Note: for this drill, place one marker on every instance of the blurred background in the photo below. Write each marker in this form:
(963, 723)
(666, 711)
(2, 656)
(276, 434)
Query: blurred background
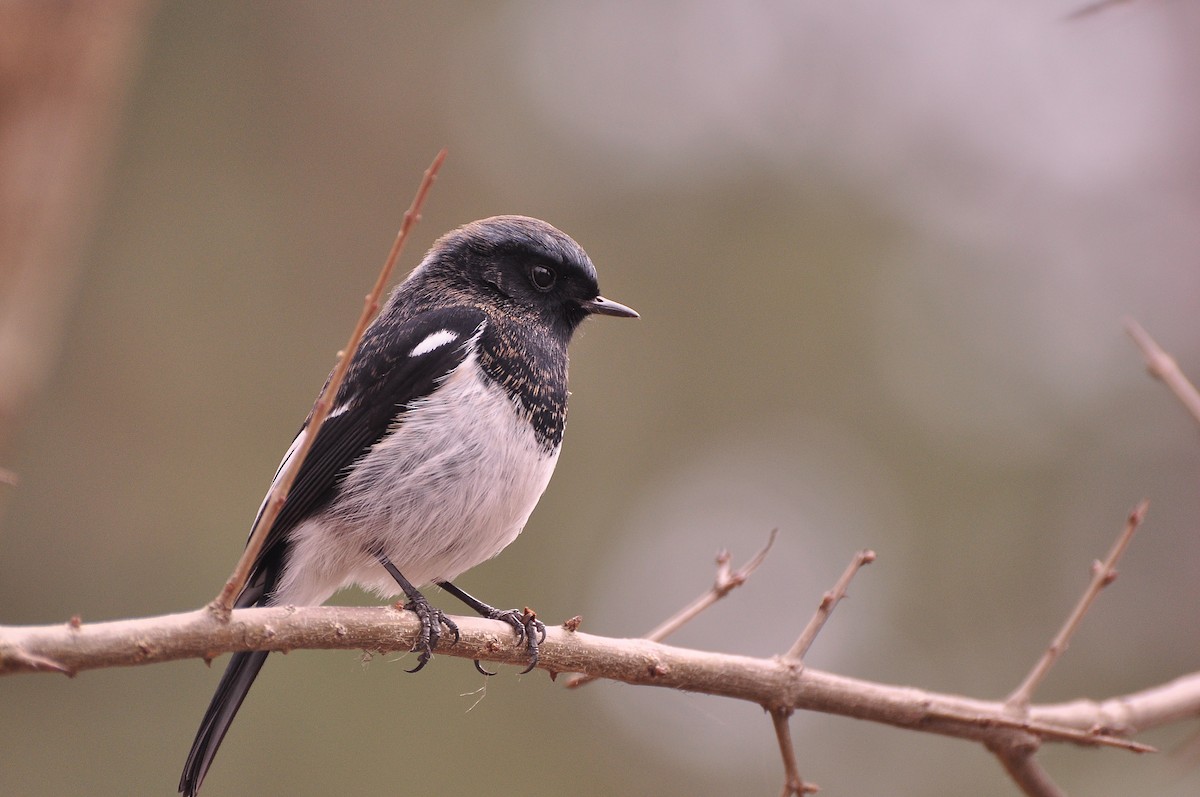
(882, 251)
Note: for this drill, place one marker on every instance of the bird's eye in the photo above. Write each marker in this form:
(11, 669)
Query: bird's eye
(543, 278)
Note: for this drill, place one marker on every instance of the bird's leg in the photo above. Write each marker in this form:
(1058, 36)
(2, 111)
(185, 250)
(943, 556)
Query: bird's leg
(432, 619)
(528, 628)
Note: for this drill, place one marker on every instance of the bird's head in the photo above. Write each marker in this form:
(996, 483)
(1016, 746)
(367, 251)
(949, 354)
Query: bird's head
(522, 266)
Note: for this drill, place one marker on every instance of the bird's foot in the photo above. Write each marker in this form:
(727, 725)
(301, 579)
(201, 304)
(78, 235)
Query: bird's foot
(432, 619)
(528, 627)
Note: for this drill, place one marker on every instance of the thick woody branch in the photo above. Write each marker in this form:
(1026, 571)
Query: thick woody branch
(74, 647)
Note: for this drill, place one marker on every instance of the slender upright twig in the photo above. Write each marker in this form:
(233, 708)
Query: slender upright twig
(828, 602)
(1103, 574)
(278, 493)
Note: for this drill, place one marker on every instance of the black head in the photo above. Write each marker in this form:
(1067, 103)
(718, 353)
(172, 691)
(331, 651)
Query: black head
(521, 266)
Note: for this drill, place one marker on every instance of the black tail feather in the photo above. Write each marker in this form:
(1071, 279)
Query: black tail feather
(231, 691)
(235, 683)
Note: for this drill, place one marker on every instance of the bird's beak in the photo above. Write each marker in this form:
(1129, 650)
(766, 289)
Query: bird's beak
(602, 306)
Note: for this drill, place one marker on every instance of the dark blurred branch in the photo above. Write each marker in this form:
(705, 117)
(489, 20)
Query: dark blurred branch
(1093, 8)
(64, 69)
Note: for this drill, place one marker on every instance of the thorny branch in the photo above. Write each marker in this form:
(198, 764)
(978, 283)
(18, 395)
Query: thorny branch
(76, 646)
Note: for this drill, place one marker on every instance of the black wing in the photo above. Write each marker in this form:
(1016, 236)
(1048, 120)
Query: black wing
(397, 364)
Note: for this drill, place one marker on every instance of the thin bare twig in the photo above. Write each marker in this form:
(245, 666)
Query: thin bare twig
(1029, 775)
(1163, 367)
(726, 581)
(278, 493)
(793, 784)
(828, 602)
(1103, 574)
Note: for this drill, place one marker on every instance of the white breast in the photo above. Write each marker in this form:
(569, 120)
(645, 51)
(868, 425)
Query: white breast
(449, 487)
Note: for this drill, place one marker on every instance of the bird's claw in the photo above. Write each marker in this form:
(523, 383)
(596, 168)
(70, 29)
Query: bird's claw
(432, 620)
(528, 628)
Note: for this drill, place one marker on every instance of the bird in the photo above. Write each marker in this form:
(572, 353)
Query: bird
(438, 446)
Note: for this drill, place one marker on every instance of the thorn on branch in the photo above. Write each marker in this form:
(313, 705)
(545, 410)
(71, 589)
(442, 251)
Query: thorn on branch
(33, 661)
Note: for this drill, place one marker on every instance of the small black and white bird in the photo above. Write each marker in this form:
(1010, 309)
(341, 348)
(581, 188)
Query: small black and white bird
(439, 444)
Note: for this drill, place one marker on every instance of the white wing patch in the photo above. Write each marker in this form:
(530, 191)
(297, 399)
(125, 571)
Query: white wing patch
(291, 452)
(435, 340)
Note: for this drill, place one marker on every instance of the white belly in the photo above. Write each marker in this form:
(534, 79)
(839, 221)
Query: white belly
(446, 489)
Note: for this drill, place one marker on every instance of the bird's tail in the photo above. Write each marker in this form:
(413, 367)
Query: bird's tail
(235, 683)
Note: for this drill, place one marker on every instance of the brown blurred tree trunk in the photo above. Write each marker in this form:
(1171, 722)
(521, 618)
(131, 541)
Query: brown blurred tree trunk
(64, 69)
